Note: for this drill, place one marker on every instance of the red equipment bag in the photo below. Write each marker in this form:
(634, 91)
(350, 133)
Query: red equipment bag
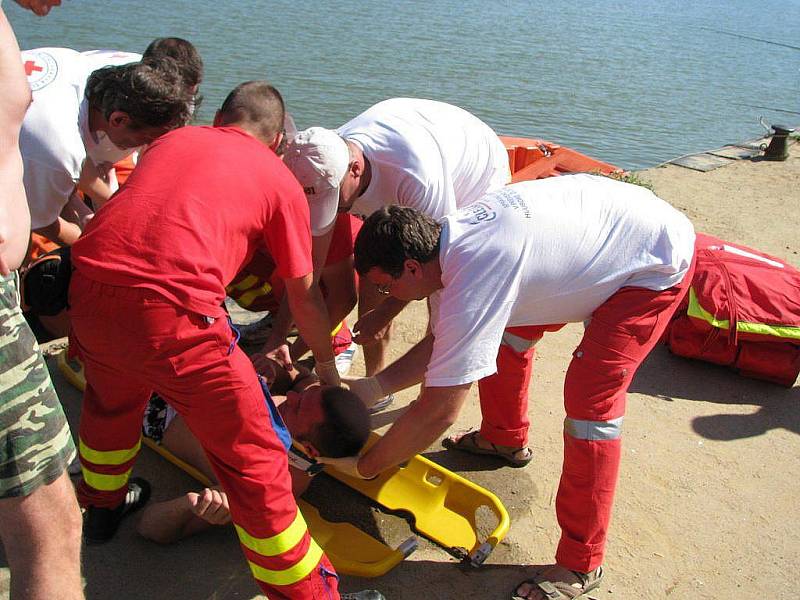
(742, 311)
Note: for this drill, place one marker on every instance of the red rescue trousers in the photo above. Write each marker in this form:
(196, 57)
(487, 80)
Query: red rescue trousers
(619, 336)
(133, 342)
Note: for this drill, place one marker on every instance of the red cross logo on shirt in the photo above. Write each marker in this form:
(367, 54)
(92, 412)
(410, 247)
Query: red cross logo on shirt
(40, 67)
(30, 67)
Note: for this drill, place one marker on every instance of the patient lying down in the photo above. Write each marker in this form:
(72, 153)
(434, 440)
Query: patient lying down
(323, 420)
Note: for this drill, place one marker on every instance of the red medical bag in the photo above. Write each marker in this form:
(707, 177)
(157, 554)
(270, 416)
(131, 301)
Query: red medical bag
(742, 311)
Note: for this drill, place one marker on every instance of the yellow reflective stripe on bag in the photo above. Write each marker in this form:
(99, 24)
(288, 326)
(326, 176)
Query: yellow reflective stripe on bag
(780, 331)
(109, 457)
(293, 574)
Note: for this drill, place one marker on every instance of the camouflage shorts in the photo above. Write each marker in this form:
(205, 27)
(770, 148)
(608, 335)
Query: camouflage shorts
(35, 441)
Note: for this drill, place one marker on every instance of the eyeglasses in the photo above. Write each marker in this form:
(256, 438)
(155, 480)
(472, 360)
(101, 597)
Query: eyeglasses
(385, 289)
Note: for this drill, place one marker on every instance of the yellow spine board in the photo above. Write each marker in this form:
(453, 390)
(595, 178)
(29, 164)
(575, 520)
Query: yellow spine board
(352, 551)
(444, 504)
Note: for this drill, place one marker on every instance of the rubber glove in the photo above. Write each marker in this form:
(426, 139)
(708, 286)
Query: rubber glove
(327, 373)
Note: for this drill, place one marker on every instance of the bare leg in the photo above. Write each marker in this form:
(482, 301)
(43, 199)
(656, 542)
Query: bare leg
(172, 520)
(42, 536)
(374, 354)
(182, 443)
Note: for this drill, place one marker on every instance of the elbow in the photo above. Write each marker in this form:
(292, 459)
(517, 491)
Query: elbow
(22, 101)
(26, 99)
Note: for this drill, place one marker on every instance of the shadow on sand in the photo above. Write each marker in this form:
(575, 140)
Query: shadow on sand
(666, 376)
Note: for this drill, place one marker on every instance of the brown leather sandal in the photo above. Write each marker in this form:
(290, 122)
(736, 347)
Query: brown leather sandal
(468, 442)
(552, 583)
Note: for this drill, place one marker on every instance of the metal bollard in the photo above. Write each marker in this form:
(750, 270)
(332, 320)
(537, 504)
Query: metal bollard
(778, 148)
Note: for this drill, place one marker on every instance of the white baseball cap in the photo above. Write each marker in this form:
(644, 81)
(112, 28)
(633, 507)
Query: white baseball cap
(319, 158)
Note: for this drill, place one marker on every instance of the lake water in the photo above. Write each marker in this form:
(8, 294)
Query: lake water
(632, 82)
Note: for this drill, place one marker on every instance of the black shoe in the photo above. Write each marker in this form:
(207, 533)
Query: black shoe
(100, 524)
(363, 595)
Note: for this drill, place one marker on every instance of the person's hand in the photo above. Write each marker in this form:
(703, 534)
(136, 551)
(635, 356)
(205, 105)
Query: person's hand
(210, 505)
(368, 389)
(278, 353)
(266, 367)
(347, 465)
(327, 372)
(39, 7)
(370, 328)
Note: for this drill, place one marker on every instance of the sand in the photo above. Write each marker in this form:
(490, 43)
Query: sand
(707, 502)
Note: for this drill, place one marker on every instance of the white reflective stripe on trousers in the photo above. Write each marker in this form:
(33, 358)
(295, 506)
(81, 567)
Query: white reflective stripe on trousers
(593, 430)
(518, 344)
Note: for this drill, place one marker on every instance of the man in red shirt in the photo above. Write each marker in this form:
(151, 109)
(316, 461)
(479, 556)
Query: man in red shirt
(146, 309)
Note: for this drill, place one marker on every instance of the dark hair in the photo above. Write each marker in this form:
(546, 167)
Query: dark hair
(393, 234)
(256, 105)
(183, 52)
(45, 282)
(152, 93)
(346, 424)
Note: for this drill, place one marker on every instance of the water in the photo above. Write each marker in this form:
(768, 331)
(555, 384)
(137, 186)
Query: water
(633, 82)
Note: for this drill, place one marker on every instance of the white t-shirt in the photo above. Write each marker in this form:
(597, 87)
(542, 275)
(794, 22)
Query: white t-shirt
(55, 136)
(429, 155)
(545, 252)
(97, 59)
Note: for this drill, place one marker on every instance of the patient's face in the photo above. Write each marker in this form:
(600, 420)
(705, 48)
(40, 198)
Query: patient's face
(303, 412)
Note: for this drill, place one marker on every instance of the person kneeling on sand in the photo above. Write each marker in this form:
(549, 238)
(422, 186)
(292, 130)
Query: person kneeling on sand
(323, 420)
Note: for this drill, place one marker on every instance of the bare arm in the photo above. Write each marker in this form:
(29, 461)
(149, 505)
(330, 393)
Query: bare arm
(15, 97)
(409, 369)
(283, 320)
(426, 419)
(77, 211)
(169, 521)
(311, 316)
(371, 327)
(61, 231)
(95, 183)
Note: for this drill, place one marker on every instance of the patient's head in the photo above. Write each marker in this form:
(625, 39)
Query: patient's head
(327, 420)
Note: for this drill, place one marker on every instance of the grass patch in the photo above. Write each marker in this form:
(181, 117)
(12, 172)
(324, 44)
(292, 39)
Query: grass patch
(627, 177)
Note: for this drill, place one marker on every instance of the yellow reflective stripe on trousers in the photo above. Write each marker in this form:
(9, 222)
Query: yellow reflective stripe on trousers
(337, 329)
(244, 284)
(698, 312)
(293, 574)
(249, 297)
(278, 543)
(109, 457)
(105, 483)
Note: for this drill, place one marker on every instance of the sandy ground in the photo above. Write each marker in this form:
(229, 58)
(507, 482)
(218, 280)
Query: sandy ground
(707, 500)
